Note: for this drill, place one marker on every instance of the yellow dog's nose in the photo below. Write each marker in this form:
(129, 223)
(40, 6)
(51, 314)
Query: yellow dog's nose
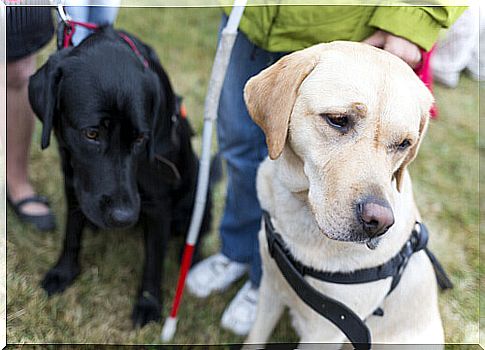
(376, 216)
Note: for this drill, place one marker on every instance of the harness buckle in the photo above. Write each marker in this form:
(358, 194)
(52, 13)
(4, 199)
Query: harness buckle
(419, 237)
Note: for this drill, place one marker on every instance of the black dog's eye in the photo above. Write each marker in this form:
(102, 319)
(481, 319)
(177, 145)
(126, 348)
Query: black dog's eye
(404, 145)
(339, 122)
(91, 134)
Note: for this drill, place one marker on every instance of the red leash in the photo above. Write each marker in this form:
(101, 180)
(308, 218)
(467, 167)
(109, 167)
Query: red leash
(132, 45)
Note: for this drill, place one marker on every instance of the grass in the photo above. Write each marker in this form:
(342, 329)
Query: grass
(96, 309)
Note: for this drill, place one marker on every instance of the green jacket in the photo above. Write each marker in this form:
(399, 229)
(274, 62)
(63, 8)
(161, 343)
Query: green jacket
(293, 27)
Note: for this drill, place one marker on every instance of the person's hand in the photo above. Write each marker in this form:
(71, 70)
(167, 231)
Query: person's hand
(402, 48)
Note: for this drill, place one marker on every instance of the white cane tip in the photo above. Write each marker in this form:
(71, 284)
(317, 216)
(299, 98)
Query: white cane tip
(169, 328)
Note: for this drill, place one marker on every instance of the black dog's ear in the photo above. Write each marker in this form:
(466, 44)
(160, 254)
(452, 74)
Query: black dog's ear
(43, 92)
(162, 142)
(163, 104)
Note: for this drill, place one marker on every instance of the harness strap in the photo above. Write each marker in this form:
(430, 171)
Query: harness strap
(336, 312)
(393, 268)
(442, 278)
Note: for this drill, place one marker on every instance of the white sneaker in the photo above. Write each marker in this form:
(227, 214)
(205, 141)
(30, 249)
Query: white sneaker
(240, 315)
(214, 274)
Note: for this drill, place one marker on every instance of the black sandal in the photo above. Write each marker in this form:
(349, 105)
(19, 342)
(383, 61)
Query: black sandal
(46, 222)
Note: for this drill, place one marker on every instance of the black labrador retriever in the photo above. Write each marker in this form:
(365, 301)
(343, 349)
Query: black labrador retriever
(126, 152)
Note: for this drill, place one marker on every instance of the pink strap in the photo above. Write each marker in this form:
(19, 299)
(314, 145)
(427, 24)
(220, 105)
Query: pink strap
(70, 29)
(87, 25)
(425, 73)
(134, 48)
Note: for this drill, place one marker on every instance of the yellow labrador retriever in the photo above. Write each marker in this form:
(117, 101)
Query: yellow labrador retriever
(342, 122)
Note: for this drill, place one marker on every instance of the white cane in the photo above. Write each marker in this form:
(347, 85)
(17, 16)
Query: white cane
(219, 68)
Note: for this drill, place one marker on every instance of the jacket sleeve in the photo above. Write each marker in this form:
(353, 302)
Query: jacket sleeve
(421, 25)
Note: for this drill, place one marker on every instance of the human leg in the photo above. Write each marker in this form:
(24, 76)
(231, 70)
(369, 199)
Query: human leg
(92, 14)
(454, 52)
(81, 14)
(242, 144)
(20, 125)
(106, 13)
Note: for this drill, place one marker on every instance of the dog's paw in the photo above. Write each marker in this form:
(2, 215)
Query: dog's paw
(58, 279)
(147, 309)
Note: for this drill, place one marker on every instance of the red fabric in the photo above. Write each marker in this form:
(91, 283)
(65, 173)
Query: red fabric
(68, 33)
(183, 112)
(70, 29)
(184, 269)
(87, 25)
(425, 73)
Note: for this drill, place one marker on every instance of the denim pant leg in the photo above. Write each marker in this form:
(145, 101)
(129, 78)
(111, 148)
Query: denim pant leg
(242, 144)
(104, 14)
(80, 14)
(92, 14)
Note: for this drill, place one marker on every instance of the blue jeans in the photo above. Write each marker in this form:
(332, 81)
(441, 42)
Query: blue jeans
(242, 144)
(92, 14)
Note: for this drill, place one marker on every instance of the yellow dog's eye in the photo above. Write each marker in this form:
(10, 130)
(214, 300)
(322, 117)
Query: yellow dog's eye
(404, 145)
(340, 122)
(91, 134)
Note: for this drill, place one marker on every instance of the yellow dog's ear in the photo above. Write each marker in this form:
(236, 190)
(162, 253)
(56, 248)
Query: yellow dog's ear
(399, 174)
(271, 94)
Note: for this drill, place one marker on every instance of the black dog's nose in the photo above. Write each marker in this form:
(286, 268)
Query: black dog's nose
(122, 217)
(376, 216)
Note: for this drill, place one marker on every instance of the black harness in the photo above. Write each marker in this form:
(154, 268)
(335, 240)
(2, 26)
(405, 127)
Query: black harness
(334, 311)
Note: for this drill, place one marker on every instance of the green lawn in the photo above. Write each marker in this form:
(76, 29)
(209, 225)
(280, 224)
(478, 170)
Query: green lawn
(96, 309)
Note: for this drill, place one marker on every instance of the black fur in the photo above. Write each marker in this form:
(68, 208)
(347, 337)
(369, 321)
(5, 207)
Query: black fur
(141, 166)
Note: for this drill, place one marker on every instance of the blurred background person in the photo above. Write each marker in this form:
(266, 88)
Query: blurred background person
(28, 30)
(459, 49)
